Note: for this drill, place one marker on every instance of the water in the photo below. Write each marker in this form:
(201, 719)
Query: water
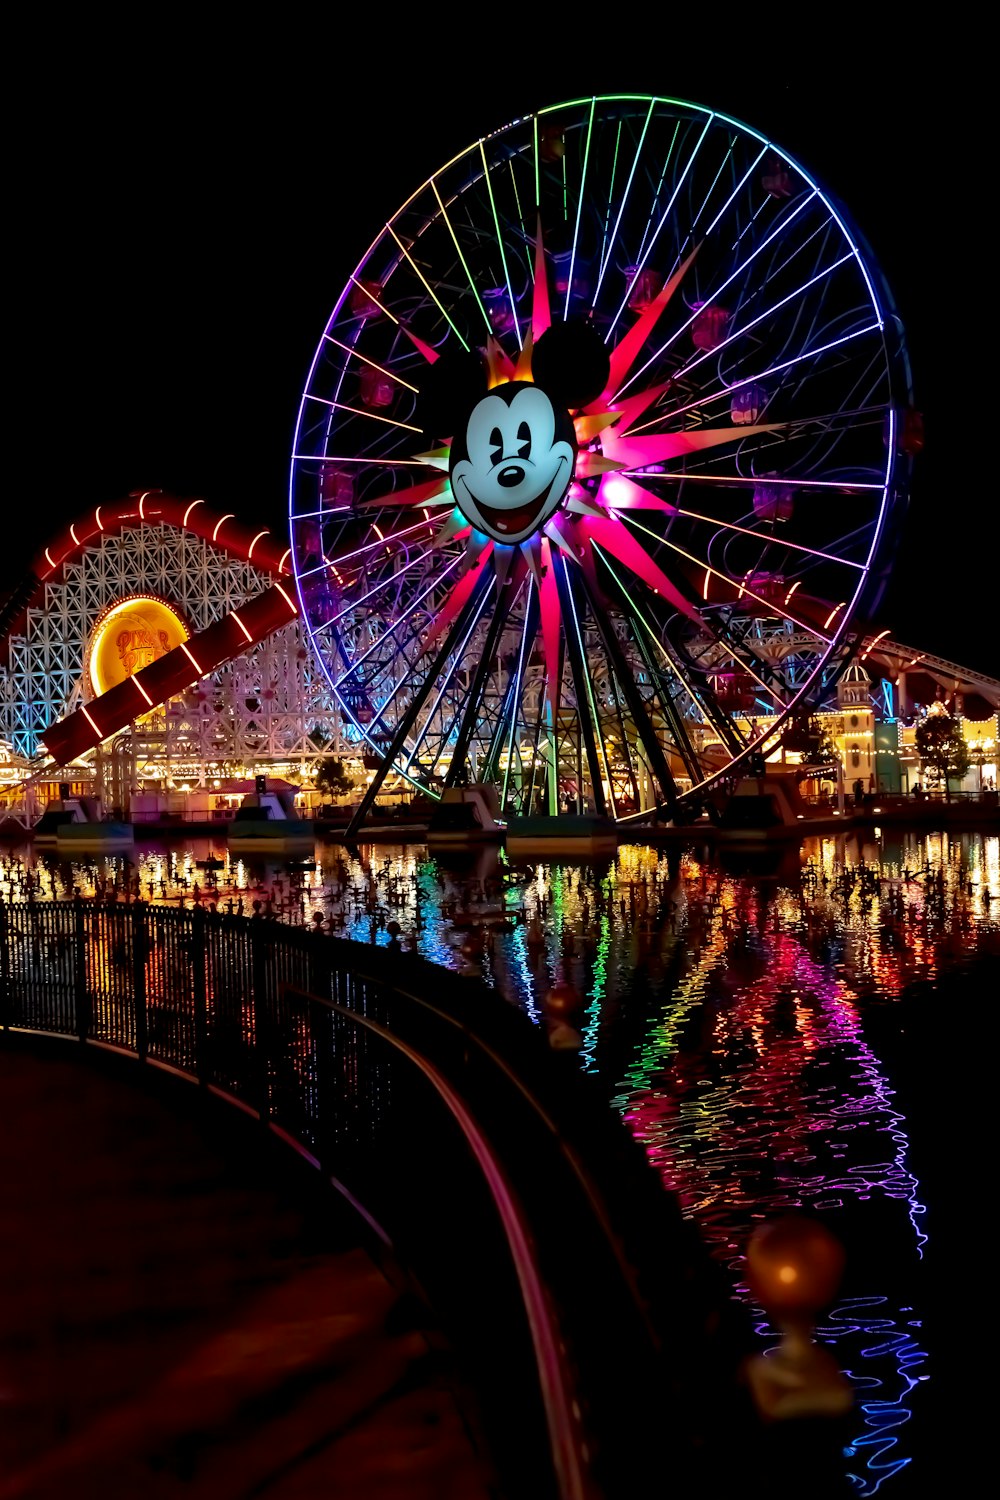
(810, 1032)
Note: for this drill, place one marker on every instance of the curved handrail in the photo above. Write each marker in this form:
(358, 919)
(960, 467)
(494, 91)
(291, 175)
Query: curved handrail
(594, 1197)
(562, 1410)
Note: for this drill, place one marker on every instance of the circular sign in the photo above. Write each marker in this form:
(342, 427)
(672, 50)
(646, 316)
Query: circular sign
(132, 635)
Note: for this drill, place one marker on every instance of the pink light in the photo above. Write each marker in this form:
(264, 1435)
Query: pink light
(616, 490)
(619, 541)
(548, 596)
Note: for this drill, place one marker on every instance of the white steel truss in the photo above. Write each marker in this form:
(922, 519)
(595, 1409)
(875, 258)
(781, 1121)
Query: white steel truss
(269, 704)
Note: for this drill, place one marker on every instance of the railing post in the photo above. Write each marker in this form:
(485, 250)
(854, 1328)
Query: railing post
(4, 966)
(139, 914)
(198, 917)
(80, 970)
(259, 928)
(319, 965)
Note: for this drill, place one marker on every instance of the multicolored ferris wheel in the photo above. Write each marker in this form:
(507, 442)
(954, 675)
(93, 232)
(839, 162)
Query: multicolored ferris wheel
(614, 402)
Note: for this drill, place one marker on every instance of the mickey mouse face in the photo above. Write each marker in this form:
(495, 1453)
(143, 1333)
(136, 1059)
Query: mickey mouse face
(516, 462)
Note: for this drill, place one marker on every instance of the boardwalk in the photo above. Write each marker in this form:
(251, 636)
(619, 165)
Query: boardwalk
(188, 1311)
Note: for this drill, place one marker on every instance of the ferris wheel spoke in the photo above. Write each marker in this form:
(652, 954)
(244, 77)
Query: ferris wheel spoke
(611, 239)
(725, 578)
(734, 276)
(664, 219)
(769, 539)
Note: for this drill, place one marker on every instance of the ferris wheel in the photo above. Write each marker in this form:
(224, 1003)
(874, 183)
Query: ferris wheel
(604, 432)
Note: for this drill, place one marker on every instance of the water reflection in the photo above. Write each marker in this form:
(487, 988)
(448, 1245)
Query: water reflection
(765, 1032)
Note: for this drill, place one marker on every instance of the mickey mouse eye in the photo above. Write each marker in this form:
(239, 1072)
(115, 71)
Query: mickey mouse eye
(496, 445)
(524, 441)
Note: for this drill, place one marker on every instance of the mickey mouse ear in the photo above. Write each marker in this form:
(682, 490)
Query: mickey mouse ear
(449, 390)
(570, 361)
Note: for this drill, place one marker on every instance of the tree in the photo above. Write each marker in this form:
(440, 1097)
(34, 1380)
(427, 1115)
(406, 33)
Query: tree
(820, 748)
(807, 735)
(331, 777)
(941, 747)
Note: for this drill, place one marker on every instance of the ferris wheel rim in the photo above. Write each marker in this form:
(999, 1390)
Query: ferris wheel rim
(881, 304)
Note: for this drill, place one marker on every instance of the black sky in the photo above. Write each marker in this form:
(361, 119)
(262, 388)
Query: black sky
(186, 215)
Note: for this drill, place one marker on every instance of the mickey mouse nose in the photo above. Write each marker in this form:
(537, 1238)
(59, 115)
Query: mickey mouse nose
(510, 477)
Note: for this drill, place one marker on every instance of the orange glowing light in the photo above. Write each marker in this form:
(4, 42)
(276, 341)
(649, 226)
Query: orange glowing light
(132, 635)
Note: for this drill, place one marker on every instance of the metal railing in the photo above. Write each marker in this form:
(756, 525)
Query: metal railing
(584, 1307)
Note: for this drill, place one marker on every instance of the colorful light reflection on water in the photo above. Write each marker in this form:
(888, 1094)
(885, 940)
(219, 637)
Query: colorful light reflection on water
(752, 1026)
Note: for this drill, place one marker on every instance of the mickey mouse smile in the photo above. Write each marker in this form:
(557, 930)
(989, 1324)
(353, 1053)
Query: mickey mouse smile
(520, 520)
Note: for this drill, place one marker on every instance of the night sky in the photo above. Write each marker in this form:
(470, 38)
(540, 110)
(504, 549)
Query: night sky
(187, 214)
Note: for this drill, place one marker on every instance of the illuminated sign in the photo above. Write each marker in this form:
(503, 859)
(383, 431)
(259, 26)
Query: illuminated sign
(131, 635)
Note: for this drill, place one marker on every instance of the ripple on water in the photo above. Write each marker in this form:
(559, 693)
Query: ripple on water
(767, 1035)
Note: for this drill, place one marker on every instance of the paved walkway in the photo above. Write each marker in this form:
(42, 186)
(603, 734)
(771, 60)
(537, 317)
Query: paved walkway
(185, 1310)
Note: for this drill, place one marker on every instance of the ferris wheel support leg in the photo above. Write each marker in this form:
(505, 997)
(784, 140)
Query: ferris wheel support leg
(582, 689)
(655, 758)
(470, 718)
(507, 721)
(405, 727)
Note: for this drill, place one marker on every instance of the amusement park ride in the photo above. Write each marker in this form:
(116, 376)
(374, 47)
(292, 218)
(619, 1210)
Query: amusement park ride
(595, 489)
